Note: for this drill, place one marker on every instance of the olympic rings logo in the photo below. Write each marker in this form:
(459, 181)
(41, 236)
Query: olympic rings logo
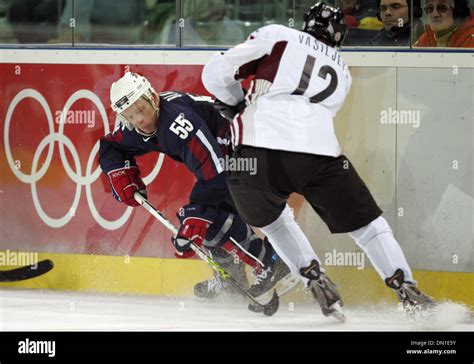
(49, 141)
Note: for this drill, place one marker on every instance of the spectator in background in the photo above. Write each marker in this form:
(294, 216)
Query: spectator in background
(205, 22)
(361, 20)
(395, 16)
(361, 14)
(159, 15)
(450, 25)
(34, 21)
(102, 21)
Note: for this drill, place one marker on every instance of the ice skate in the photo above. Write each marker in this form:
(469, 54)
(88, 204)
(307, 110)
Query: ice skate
(210, 288)
(275, 276)
(324, 291)
(213, 287)
(411, 298)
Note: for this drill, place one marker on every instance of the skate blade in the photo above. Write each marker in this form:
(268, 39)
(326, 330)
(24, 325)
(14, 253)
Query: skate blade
(336, 312)
(283, 286)
(268, 309)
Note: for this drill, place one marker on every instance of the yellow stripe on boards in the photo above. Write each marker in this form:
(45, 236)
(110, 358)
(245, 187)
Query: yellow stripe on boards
(177, 277)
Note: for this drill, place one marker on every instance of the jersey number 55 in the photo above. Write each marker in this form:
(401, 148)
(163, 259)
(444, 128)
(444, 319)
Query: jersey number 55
(181, 126)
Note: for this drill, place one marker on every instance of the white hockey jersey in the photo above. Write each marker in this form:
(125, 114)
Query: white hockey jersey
(299, 85)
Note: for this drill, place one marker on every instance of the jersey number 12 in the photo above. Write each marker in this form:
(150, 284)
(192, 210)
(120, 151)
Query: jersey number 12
(324, 71)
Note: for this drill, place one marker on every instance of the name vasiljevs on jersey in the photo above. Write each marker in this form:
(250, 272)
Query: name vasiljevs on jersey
(300, 83)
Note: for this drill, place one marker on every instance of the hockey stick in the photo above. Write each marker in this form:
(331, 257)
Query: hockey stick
(268, 309)
(26, 272)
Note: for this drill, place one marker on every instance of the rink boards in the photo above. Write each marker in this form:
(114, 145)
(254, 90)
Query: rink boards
(176, 278)
(54, 107)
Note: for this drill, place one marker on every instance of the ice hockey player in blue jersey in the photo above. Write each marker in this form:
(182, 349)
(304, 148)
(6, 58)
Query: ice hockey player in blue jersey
(190, 130)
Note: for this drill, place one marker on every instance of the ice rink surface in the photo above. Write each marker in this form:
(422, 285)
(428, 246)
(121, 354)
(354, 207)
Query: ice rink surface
(33, 310)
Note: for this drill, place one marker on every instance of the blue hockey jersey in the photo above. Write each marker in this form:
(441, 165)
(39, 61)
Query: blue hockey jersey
(189, 130)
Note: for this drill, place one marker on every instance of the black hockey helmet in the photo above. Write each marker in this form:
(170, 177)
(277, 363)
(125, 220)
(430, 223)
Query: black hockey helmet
(326, 23)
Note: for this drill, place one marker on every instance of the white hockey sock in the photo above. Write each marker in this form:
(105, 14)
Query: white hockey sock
(377, 241)
(290, 242)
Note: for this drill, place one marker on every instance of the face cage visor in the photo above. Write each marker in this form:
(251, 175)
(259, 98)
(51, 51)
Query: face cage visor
(147, 96)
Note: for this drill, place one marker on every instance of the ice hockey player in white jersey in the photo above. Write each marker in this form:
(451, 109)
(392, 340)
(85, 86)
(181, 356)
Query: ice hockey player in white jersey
(285, 121)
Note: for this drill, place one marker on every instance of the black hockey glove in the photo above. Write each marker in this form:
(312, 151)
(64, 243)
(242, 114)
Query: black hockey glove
(229, 111)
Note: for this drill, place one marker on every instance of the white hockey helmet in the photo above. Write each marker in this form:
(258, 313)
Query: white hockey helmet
(129, 89)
